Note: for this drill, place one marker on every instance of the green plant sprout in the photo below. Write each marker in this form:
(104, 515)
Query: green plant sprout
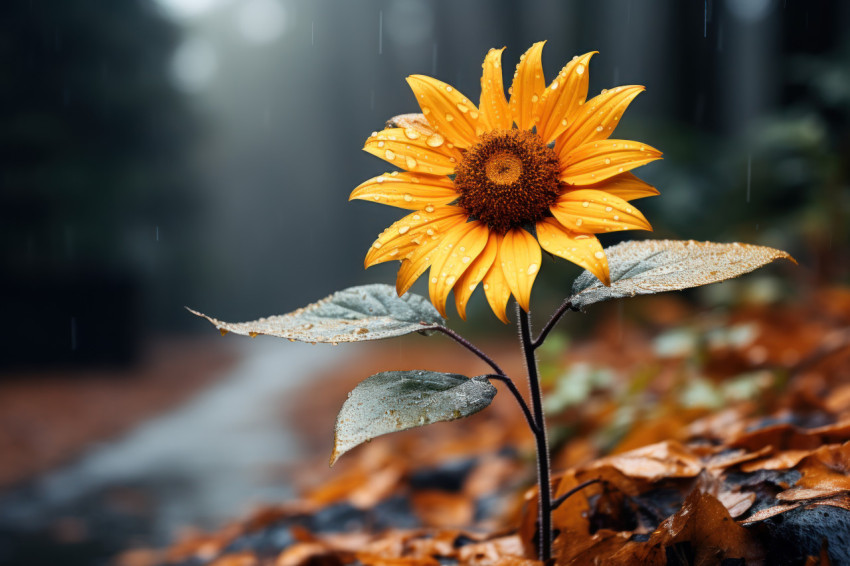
(489, 186)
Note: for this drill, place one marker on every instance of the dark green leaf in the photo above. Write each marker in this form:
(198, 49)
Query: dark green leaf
(370, 312)
(398, 400)
(646, 267)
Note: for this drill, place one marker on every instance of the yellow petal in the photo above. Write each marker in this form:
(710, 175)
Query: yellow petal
(495, 113)
(457, 248)
(449, 111)
(596, 119)
(406, 148)
(562, 99)
(405, 235)
(596, 161)
(583, 250)
(416, 264)
(413, 191)
(626, 186)
(478, 268)
(496, 287)
(527, 87)
(519, 257)
(591, 212)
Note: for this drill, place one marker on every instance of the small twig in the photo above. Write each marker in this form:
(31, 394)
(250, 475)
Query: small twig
(557, 502)
(522, 404)
(469, 346)
(553, 320)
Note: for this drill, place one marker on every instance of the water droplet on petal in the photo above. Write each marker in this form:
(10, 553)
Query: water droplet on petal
(411, 133)
(599, 128)
(580, 69)
(434, 140)
(390, 154)
(607, 161)
(410, 162)
(554, 85)
(599, 255)
(579, 221)
(608, 209)
(429, 208)
(449, 117)
(376, 245)
(448, 88)
(534, 98)
(403, 229)
(585, 204)
(408, 197)
(450, 280)
(532, 269)
(462, 107)
(466, 259)
(381, 144)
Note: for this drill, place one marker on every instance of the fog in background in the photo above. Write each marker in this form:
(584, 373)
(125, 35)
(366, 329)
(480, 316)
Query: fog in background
(162, 153)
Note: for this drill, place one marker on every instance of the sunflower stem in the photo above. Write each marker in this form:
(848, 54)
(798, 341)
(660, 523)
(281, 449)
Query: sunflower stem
(553, 320)
(544, 508)
(471, 347)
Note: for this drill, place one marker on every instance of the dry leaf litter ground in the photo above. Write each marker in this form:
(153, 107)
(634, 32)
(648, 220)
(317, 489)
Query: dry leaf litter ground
(720, 438)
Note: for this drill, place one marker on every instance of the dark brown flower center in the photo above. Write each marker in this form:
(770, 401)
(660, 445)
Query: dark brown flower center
(508, 179)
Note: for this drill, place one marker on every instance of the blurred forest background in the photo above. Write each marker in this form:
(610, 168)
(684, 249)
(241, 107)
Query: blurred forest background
(161, 153)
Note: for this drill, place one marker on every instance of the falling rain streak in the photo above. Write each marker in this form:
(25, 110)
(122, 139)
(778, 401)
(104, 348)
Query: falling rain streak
(380, 32)
(73, 333)
(434, 60)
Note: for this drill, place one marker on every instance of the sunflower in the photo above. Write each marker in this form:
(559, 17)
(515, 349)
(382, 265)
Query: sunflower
(490, 185)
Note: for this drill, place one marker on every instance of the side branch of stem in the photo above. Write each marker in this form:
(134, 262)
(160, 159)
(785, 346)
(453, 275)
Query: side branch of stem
(557, 502)
(553, 320)
(522, 404)
(471, 347)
